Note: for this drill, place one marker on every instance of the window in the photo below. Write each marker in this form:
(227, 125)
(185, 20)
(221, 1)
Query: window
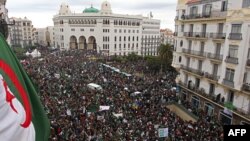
(124, 46)
(124, 38)
(207, 10)
(193, 10)
(91, 29)
(211, 88)
(137, 38)
(72, 29)
(115, 38)
(120, 38)
(115, 47)
(182, 28)
(181, 43)
(224, 5)
(115, 30)
(230, 96)
(233, 51)
(229, 75)
(82, 29)
(246, 3)
(129, 38)
(236, 28)
(124, 31)
(180, 59)
(120, 31)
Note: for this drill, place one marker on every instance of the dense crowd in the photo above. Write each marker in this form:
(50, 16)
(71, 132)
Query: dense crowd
(137, 103)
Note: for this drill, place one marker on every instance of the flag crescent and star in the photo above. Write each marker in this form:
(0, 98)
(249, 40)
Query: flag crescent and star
(22, 115)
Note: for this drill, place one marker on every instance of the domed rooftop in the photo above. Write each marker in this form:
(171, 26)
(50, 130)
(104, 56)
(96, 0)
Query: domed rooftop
(90, 10)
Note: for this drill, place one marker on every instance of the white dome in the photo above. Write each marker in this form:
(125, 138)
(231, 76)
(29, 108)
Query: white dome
(64, 9)
(106, 8)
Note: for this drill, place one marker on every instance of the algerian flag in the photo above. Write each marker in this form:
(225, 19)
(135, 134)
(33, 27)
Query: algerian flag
(22, 117)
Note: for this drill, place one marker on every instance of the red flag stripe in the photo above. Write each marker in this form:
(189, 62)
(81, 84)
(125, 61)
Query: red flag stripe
(14, 79)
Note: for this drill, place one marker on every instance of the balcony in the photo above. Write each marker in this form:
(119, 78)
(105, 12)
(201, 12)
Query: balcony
(228, 83)
(196, 34)
(211, 76)
(218, 35)
(235, 36)
(217, 57)
(194, 52)
(193, 71)
(211, 98)
(231, 60)
(246, 87)
(205, 16)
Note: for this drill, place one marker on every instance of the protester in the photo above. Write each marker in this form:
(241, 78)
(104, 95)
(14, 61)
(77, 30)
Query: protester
(137, 104)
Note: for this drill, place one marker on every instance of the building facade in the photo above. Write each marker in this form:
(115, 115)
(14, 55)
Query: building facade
(212, 55)
(106, 32)
(167, 36)
(21, 34)
(44, 36)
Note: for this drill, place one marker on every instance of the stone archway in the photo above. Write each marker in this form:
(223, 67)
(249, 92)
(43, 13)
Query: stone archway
(91, 43)
(73, 42)
(82, 43)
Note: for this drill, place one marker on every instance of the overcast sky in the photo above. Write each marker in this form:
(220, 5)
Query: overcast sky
(42, 11)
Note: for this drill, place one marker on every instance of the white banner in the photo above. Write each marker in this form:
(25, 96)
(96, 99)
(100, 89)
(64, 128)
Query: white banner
(163, 132)
(104, 108)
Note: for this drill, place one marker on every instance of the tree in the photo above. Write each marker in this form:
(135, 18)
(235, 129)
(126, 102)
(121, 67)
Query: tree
(165, 55)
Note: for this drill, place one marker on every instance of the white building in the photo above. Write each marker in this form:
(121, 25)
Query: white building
(102, 30)
(4, 20)
(21, 32)
(212, 54)
(167, 36)
(44, 36)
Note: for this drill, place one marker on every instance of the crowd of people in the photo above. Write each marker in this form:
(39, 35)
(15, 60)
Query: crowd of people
(136, 104)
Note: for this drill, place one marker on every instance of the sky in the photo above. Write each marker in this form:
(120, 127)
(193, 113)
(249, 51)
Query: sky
(41, 12)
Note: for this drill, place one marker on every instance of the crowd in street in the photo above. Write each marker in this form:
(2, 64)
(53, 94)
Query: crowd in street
(137, 104)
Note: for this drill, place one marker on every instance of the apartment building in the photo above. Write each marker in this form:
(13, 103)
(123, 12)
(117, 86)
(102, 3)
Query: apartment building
(21, 32)
(167, 36)
(213, 58)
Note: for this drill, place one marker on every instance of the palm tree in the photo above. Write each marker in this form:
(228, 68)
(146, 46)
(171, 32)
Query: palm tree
(165, 54)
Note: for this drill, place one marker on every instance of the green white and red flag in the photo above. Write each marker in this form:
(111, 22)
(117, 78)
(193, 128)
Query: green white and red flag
(22, 116)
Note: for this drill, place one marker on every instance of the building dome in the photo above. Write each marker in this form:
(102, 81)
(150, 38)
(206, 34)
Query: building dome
(90, 10)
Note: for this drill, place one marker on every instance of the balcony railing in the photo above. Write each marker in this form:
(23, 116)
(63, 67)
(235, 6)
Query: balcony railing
(246, 87)
(235, 36)
(218, 35)
(206, 15)
(228, 83)
(196, 34)
(231, 60)
(192, 70)
(215, 56)
(194, 52)
(211, 76)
